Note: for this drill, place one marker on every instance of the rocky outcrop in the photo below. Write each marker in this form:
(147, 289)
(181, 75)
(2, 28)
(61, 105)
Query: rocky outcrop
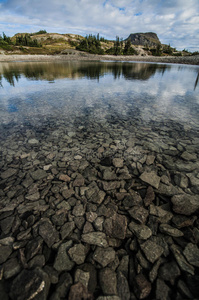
(144, 39)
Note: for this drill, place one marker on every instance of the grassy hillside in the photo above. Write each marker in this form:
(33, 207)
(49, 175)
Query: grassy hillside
(54, 43)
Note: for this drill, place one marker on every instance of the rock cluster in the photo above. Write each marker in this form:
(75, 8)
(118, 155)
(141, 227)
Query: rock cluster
(91, 213)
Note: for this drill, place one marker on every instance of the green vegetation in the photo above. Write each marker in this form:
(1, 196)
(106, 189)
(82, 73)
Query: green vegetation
(40, 32)
(26, 40)
(119, 49)
(5, 42)
(91, 44)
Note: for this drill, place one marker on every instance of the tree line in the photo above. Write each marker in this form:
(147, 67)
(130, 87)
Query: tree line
(21, 40)
(92, 44)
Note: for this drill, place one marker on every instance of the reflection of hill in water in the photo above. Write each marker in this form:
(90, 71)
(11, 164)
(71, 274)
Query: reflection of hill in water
(50, 71)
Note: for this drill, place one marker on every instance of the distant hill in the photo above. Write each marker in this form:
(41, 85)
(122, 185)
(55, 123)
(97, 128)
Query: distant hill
(144, 39)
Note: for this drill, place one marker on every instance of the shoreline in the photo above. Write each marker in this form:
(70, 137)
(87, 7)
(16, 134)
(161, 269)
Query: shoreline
(80, 56)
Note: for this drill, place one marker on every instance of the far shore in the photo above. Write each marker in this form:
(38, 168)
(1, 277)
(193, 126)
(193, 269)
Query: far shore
(82, 56)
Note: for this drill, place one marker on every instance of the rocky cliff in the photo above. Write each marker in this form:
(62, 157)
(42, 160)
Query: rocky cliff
(143, 39)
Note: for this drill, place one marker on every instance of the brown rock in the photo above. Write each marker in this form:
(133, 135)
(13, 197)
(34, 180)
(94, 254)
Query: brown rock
(150, 196)
(142, 286)
(79, 291)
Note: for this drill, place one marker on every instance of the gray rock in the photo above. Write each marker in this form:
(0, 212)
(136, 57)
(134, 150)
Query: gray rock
(139, 213)
(5, 252)
(162, 290)
(83, 277)
(78, 253)
(108, 281)
(185, 204)
(49, 234)
(78, 210)
(94, 194)
(8, 173)
(191, 252)
(116, 226)
(151, 178)
(152, 250)
(169, 272)
(11, 268)
(168, 229)
(33, 141)
(118, 162)
(104, 256)
(154, 271)
(133, 199)
(67, 229)
(122, 287)
(183, 264)
(141, 231)
(95, 238)
(30, 284)
(109, 174)
(62, 260)
(63, 287)
(38, 174)
(33, 247)
(189, 156)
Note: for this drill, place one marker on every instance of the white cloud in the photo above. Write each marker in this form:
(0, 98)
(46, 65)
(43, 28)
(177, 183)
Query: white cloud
(175, 22)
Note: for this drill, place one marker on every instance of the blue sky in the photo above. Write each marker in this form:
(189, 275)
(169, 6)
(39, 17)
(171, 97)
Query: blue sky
(176, 22)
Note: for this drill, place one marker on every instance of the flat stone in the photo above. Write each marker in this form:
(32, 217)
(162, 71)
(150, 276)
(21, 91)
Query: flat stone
(109, 174)
(169, 272)
(122, 287)
(110, 185)
(183, 264)
(150, 196)
(94, 194)
(95, 238)
(151, 178)
(78, 210)
(118, 162)
(189, 156)
(38, 174)
(33, 197)
(162, 290)
(116, 226)
(64, 177)
(67, 229)
(141, 231)
(30, 284)
(108, 281)
(185, 204)
(49, 234)
(168, 229)
(104, 256)
(8, 173)
(139, 213)
(83, 277)
(77, 253)
(33, 141)
(191, 252)
(5, 252)
(79, 291)
(62, 260)
(11, 268)
(133, 199)
(152, 250)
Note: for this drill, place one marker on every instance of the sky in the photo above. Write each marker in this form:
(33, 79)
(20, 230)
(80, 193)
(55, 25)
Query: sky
(176, 22)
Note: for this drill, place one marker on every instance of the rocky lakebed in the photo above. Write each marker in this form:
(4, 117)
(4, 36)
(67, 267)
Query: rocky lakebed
(99, 208)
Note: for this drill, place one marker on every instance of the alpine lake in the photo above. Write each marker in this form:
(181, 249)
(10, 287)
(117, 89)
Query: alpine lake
(99, 181)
